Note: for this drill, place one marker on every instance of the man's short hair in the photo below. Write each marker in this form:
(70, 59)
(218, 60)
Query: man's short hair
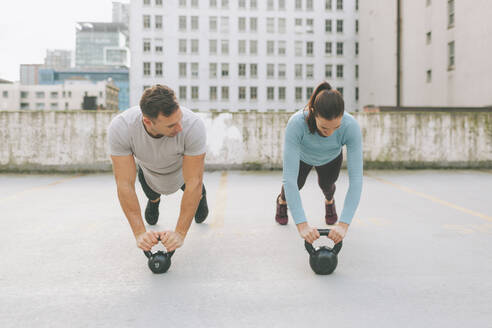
(158, 99)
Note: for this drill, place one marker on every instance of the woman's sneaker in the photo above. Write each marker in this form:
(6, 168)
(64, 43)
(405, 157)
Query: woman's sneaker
(281, 215)
(331, 216)
(202, 210)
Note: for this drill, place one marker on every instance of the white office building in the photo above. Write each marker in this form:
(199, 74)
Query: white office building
(446, 46)
(244, 54)
(71, 95)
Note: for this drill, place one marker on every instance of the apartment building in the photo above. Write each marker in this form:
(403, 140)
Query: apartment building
(244, 54)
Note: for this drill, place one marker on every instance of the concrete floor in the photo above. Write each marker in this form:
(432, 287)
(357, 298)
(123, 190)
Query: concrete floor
(418, 254)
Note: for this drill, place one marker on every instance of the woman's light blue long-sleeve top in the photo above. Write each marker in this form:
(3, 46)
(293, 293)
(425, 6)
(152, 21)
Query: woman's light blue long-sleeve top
(316, 150)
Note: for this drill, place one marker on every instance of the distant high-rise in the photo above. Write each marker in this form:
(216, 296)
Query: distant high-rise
(58, 58)
(244, 54)
(101, 44)
(29, 73)
(121, 12)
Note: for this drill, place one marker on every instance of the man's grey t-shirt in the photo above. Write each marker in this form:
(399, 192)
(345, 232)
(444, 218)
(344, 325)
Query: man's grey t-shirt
(161, 159)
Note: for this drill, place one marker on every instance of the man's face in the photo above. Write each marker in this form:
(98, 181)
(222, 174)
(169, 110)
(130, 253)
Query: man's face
(168, 126)
(327, 127)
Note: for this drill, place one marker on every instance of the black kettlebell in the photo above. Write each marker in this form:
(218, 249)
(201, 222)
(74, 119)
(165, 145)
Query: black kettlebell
(159, 262)
(324, 259)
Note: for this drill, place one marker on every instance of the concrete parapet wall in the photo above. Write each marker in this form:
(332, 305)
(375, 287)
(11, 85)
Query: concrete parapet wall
(77, 140)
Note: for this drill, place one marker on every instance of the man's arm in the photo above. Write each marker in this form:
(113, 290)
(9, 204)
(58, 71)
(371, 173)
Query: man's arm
(193, 167)
(124, 170)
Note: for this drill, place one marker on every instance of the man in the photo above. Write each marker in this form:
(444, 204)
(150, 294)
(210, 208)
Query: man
(167, 143)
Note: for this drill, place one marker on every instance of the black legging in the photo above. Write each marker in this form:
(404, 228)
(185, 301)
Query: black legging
(151, 194)
(327, 176)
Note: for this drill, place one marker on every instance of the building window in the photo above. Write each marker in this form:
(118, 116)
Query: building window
(242, 4)
(281, 71)
(282, 25)
(356, 93)
(242, 93)
(241, 24)
(253, 93)
(212, 47)
(194, 23)
(224, 47)
(24, 94)
(182, 23)
(298, 5)
(450, 13)
(253, 70)
(146, 2)
(340, 48)
(328, 71)
(309, 4)
(328, 48)
(146, 46)
(158, 21)
(225, 4)
(298, 93)
(356, 4)
(54, 95)
(270, 70)
(340, 25)
(357, 48)
(298, 71)
(146, 21)
(224, 24)
(339, 4)
(253, 4)
(212, 3)
(356, 72)
(40, 94)
(182, 92)
(298, 25)
(241, 45)
(5, 94)
(241, 70)
(451, 55)
(270, 25)
(281, 93)
(253, 47)
(194, 46)
(212, 23)
(282, 45)
(356, 26)
(54, 106)
(328, 25)
(269, 4)
(309, 92)
(182, 3)
(194, 93)
(146, 69)
(39, 105)
(428, 37)
(225, 70)
(253, 24)
(182, 46)
(309, 25)
(328, 4)
(24, 105)
(213, 93)
(309, 71)
(158, 3)
(270, 93)
(194, 3)
(340, 71)
(212, 70)
(309, 48)
(270, 47)
(158, 69)
(298, 48)
(225, 93)
(194, 70)
(158, 46)
(429, 76)
(182, 70)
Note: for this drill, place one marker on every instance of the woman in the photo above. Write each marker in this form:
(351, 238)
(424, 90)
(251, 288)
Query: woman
(314, 137)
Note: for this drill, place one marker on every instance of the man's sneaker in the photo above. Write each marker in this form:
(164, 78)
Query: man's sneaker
(152, 212)
(281, 215)
(331, 216)
(202, 210)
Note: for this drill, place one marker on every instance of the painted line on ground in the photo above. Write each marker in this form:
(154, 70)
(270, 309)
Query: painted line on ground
(26, 191)
(432, 198)
(220, 203)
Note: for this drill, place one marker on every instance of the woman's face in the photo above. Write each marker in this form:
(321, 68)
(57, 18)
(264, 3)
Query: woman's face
(327, 127)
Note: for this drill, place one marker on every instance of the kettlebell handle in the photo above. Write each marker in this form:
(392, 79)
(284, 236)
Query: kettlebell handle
(149, 253)
(323, 232)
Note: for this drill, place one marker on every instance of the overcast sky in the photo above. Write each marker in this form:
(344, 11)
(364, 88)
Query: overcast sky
(29, 27)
